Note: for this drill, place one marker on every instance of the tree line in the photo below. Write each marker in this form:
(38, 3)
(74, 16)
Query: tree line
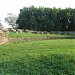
(46, 19)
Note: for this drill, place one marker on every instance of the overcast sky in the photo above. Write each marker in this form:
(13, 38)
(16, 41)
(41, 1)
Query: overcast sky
(13, 6)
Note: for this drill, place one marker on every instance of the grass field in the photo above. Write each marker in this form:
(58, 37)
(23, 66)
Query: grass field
(50, 57)
(15, 35)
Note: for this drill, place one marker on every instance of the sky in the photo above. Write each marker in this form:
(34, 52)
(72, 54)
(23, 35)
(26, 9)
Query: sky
(13, 6)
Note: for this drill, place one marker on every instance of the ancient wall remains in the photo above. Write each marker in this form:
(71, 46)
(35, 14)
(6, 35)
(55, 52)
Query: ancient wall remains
(3, 38)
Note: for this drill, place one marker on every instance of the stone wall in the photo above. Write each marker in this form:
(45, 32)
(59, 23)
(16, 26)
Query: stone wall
(12, 40)
(3, 38)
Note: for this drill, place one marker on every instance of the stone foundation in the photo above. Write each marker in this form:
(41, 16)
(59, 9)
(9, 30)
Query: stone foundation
(3, 38)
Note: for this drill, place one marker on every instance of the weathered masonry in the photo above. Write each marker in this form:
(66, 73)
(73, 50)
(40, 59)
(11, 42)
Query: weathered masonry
(3, 35)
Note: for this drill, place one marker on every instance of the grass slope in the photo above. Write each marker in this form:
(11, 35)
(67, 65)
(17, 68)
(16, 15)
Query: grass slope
(52, 57)
(15, 35)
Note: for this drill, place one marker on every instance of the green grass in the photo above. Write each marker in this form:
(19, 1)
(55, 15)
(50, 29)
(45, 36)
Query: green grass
(51, 57)
(15, 35)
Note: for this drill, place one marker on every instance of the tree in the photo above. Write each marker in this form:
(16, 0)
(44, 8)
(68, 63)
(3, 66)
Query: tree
(11, 20)
(46, 19)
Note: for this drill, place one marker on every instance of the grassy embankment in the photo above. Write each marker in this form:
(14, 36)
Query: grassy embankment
(15, 35)
(50, 57)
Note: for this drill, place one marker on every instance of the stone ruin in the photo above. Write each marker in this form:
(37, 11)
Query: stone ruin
(3, 34)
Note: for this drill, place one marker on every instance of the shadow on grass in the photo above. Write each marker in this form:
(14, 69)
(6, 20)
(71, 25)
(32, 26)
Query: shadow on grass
(42, 65)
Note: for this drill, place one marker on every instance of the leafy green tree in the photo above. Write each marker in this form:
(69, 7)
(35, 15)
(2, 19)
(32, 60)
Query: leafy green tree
(46, 19)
